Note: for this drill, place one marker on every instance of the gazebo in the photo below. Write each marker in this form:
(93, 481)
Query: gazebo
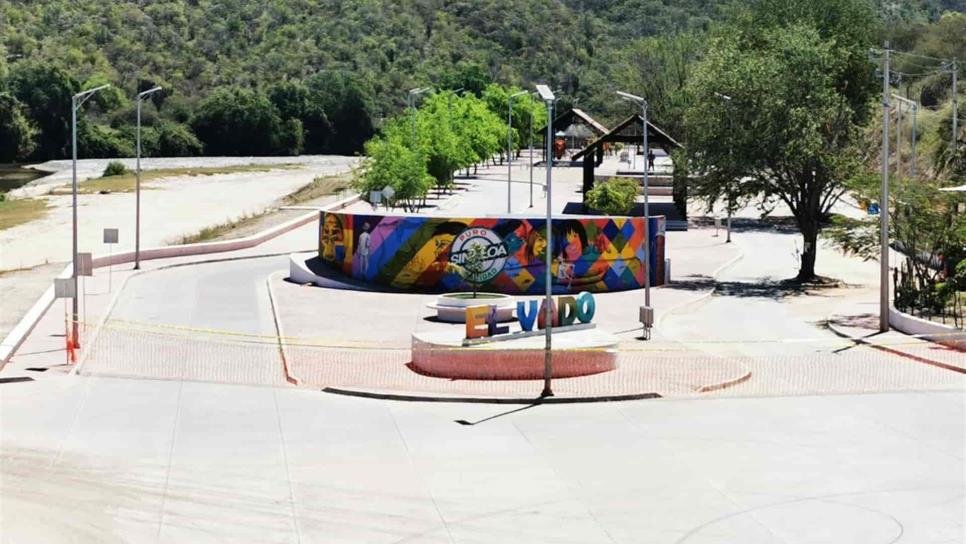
(576, 124)
(629, 131)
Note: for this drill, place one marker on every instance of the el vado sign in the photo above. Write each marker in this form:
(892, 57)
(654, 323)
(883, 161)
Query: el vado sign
(481, 321)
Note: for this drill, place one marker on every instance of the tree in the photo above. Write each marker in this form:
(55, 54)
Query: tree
(46, 91)
(17, 131)
(239, 121)
(177, 140)
(295, 100)
(347, 103)
(800, 85)
(438, 138)
(392, 163)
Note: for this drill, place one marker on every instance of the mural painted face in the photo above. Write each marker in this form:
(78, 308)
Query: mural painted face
(331, 236)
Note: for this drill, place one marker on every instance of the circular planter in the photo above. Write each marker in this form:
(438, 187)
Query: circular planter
(451, 307)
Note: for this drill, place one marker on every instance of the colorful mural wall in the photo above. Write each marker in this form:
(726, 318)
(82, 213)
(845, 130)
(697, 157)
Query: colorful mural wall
(594, 254)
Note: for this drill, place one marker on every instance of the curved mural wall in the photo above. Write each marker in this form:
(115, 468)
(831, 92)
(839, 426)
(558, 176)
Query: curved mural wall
(508, 254)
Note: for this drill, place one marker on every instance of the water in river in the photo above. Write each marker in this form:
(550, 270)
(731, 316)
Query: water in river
(12, 176)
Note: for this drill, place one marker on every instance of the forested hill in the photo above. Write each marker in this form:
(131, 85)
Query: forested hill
(347, 63)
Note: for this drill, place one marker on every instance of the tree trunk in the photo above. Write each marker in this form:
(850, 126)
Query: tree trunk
(806, 271)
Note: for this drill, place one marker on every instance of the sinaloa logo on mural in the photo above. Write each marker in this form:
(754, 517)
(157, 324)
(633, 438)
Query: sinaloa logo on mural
(493, 249)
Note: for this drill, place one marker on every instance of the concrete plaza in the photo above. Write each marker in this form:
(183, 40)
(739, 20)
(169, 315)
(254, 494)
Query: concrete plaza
(794, 454)
(104, 460)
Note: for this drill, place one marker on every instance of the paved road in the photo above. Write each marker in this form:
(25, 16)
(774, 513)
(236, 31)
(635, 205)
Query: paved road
(104, 460)
(225, 296)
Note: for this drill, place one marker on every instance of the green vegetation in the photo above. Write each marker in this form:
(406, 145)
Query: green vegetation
(614, 197)
(799, 83)
(423, 148)
(19, 211)
(318, 76)
(115, 168)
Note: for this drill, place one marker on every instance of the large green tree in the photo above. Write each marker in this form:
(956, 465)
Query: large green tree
(239, 121)
(800, 87)
(17, 131)
(46, 91)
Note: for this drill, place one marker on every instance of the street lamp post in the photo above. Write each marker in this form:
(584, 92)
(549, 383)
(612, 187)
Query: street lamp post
(411, 104)
(548, 98)
(76, 102)
(531, 157)
(914, 106)
(647, 313)
(137, 199)
(509, 147)
(884, 201)
(730, 156)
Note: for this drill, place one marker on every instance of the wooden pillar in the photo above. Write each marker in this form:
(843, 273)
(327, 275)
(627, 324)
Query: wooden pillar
(589, 168)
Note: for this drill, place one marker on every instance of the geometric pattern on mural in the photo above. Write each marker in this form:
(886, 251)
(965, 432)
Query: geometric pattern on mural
(594, 254)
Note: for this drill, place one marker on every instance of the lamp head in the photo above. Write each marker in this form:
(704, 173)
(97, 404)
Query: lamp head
(545, 93)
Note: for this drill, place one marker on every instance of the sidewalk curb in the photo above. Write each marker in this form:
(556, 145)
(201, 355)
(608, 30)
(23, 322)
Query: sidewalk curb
(21, 331)
(410, 397)
(862, 341)
(278, 331)
(714, 277)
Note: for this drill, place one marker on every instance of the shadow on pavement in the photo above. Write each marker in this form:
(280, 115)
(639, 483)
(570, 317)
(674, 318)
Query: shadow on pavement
(773, 289)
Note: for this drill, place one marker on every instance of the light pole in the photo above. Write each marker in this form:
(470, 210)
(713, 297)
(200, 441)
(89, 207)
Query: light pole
(548, 98)
(914, 106)
(730, 156)
(884, 201)
(137, 190)
(509, 147)
(531, 156)
(411, 104)
(647, 313)
(76, 102)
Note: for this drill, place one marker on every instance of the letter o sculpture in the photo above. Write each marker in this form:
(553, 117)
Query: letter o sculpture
(586, 307)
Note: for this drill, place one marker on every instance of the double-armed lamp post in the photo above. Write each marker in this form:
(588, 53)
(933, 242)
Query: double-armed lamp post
(647, 313)
(137, 190)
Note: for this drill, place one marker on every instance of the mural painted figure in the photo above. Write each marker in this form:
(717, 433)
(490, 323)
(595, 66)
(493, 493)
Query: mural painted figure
(365, 245)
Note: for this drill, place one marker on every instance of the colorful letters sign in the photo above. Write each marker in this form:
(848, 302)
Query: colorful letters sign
(594, 254)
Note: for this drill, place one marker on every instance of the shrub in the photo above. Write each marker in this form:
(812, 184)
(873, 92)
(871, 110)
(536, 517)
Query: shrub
(98, 141)
(614, 197)
(177, 140)
(115, 168)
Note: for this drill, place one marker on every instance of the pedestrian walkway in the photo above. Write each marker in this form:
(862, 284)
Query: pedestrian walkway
(858, 320)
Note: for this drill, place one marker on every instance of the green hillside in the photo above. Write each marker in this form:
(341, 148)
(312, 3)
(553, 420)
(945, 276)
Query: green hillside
(319, 75)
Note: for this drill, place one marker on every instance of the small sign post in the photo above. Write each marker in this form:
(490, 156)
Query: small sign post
(110, 238)
(388, 192)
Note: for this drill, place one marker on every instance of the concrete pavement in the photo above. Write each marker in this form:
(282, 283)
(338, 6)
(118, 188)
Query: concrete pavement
(94, 459)
(103, 460)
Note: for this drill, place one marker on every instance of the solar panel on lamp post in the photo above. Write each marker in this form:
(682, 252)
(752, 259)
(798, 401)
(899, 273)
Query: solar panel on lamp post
(137, 189)
(646, 313)
(76, 102)
(548, 98)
